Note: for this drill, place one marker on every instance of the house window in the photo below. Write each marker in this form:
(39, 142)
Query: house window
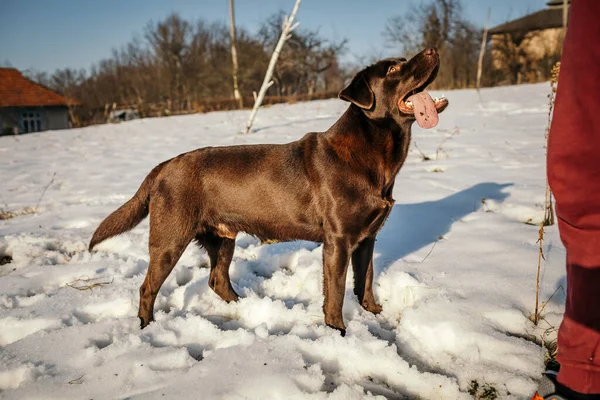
(31, 121)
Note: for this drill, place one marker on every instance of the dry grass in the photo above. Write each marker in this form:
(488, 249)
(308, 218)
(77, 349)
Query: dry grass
(549, 210)
(546, 336)
(4, 215)
(547, 332)
(87, 283)
(77, 381)
(486, 206)
(424, 156)
(482, 392)
(439, 149)
(432, 247)
(37, 206)
(536, 314)
(11, 214)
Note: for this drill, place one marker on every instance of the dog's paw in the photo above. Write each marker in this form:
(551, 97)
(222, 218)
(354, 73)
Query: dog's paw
(230, 296)
(372, 307)
(342, 331)
(144, 323)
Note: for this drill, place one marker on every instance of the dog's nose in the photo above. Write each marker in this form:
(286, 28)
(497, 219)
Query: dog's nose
(430, 51)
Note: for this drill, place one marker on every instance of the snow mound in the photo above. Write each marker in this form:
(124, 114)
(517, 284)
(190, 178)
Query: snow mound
(455, 269)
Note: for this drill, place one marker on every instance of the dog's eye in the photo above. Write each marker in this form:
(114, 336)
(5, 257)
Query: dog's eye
(392, 68)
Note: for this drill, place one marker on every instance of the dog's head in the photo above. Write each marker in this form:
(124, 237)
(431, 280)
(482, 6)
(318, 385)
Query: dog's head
(394, 88)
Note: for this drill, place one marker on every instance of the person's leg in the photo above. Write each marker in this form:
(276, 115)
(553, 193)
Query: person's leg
(574, 175)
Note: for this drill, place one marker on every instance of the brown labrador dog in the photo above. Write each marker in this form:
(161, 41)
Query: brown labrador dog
(333, 187)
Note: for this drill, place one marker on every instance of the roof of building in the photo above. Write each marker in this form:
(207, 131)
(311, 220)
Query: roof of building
(18, 91)
(551, 17)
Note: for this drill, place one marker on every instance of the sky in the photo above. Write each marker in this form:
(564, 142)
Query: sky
(44, 35)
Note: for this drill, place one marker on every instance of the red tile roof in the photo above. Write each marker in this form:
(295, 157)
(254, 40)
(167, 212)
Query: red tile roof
(18, 91)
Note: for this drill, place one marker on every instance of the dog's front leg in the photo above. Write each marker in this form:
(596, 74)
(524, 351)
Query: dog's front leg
(362, 266)
(336, 257)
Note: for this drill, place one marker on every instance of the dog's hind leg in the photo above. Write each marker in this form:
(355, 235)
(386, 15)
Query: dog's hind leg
(362, 265)
(169, 236)
(220, 251)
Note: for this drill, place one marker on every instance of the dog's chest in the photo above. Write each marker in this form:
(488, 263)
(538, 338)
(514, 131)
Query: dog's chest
(365, 216)
(379, 216)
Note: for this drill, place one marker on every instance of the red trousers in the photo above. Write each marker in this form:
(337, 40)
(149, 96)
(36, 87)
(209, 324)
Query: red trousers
(574, 175)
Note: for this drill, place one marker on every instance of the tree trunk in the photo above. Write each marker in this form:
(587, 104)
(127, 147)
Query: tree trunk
(234, 59)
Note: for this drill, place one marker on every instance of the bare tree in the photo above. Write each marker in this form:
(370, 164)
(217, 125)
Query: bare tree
(234, 59)
(181, 66)
(429, 24)
(509, 52)
(170, 41)
(306, 64)
(287, 27)
(439, 23)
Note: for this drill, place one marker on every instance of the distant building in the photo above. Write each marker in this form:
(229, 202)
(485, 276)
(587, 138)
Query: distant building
(26, 106)
(529, 46)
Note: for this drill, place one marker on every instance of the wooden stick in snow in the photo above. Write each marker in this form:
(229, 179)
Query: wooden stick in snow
(287, 27)
(482, 51)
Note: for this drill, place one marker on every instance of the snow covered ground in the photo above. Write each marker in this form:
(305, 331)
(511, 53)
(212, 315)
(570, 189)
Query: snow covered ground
(455, 269)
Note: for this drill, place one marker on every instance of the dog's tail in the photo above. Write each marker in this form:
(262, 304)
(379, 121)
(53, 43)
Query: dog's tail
(129, 214)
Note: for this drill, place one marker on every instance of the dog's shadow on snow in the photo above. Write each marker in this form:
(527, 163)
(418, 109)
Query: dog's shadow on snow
(413, 226)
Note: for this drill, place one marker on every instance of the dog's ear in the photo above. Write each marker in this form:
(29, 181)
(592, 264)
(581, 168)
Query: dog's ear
(358, 92)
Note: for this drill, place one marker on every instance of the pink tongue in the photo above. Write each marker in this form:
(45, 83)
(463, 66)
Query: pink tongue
(425, 112)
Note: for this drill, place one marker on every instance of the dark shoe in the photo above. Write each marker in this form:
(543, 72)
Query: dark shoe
(550, 389)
